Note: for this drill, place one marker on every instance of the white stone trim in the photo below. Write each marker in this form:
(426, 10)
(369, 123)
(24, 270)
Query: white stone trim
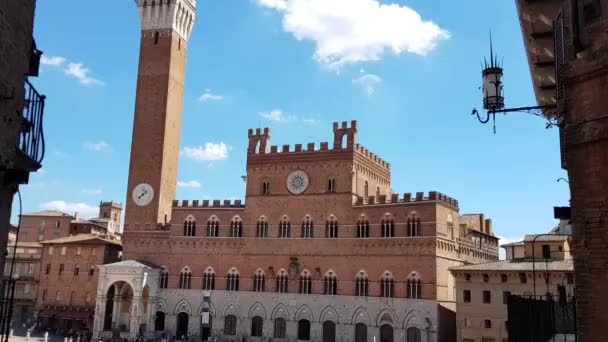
(178, 15)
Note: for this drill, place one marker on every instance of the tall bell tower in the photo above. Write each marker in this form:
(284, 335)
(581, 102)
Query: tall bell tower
(165, 29)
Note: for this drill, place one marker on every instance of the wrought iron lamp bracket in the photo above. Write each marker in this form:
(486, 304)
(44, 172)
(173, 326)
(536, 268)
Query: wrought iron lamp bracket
(546, 112)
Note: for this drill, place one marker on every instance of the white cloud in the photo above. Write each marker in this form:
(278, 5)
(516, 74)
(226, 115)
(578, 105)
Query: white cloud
(85, 210)
(95, 146)
(368, 82)
(352, 31)
(189, 184)
(81, 73)
(311, 121)
(42, 171)
(275, 115)
(54, 61)
(209, 96)
(92, 192)
(209, 152)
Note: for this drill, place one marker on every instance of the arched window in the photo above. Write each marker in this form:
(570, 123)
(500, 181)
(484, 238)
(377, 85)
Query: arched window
(387, 285)
(360, 332)
(388, 227)
(413, 226)
(261, 228)
(330, 284)
(159, 321)
(331, 185)
(366, 190)
(331, 228)
(266, 188)
(236, 227)
(304, 330)
(257, 326)
(163, 280)
(363, 227)
(209, 279)
(308, 228)
(414, 287)
(185, 277)
(282, 282)
(190, 226)
(413, 334)
(230, 325)
(280, 328)
(450, 226)
(284, 228)
(259, 281)
(305, 282)
(361, 284)
(232, 280)
(213, 227)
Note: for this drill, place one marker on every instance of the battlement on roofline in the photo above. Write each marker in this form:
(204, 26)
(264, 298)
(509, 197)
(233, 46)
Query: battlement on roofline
(407, 198)
(259, 145)
(361, 201)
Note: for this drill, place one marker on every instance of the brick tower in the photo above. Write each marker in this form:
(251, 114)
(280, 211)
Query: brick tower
(166, 26)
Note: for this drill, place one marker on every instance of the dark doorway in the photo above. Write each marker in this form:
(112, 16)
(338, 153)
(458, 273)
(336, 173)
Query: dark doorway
(329, 331)
(386, 333)
(206, 327)
(182, 325)
(159, 321)
(257, 326)
(360, 332)
(304, 330)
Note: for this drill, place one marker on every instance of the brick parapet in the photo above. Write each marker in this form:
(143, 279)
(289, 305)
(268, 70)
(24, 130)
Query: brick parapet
(433, 196)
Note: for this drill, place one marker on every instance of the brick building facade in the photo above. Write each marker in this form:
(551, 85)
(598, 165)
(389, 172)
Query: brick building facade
(321, 249)
(567, 47)
(26, 272)
(68, 279)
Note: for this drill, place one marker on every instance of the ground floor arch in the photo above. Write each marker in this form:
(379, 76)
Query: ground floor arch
(182, 325)
(386, 333)
(329, 331)
(360, 332)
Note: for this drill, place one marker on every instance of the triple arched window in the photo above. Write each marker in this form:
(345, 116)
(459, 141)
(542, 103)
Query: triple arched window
(282, 282)
(236, 227)
(185, 278)
(261, 228)
(163, 280)
(190, 227)
(330, 284)
(232, 280)
(213, 227)
(259, 281)
(413, 226)
(308, 228)
(363, 228)
(414, 287)
(331, 228)
(284, 229)
(388, 227)
(387, 286)
(362, 284)
(305, 282)
(209, 279)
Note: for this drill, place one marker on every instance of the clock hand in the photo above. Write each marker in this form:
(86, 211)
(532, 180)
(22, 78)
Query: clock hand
(142, 194)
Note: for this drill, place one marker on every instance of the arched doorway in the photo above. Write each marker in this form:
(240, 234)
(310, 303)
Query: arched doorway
(182, 326)
(360, 332)
(386, 333)
(206, 324)
(413, 335)
(118, 307)
(304, 330)
(159, 321)
(329, 331)
(257, 326)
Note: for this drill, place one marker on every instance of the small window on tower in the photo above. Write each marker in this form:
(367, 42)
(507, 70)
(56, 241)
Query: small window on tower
(155, 37)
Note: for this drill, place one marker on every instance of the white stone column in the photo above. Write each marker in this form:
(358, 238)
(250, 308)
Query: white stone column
(135, 316)
(100, 312)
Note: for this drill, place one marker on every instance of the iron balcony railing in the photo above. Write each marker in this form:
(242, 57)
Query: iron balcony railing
(31, 140)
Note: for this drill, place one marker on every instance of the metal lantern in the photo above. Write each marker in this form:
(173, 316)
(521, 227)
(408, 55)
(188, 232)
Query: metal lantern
(492, 88)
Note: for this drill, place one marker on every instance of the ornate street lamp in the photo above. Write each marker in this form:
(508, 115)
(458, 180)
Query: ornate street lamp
(493, 99)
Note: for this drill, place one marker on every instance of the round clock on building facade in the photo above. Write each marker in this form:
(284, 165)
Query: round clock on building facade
(143, 194)
(297, 182)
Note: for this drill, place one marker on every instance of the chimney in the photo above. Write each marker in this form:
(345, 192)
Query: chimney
(489, 226)
(77, 215)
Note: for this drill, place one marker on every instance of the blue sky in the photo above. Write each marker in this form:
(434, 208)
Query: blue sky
(411, 82)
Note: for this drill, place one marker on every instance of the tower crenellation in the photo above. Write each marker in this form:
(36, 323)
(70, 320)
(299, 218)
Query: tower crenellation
(178, 15)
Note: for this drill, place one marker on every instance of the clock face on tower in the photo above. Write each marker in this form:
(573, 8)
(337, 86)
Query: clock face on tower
(297, 182)
(143, 194)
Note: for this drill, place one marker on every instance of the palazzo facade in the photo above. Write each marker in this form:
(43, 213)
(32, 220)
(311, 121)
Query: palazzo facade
(321, 249)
